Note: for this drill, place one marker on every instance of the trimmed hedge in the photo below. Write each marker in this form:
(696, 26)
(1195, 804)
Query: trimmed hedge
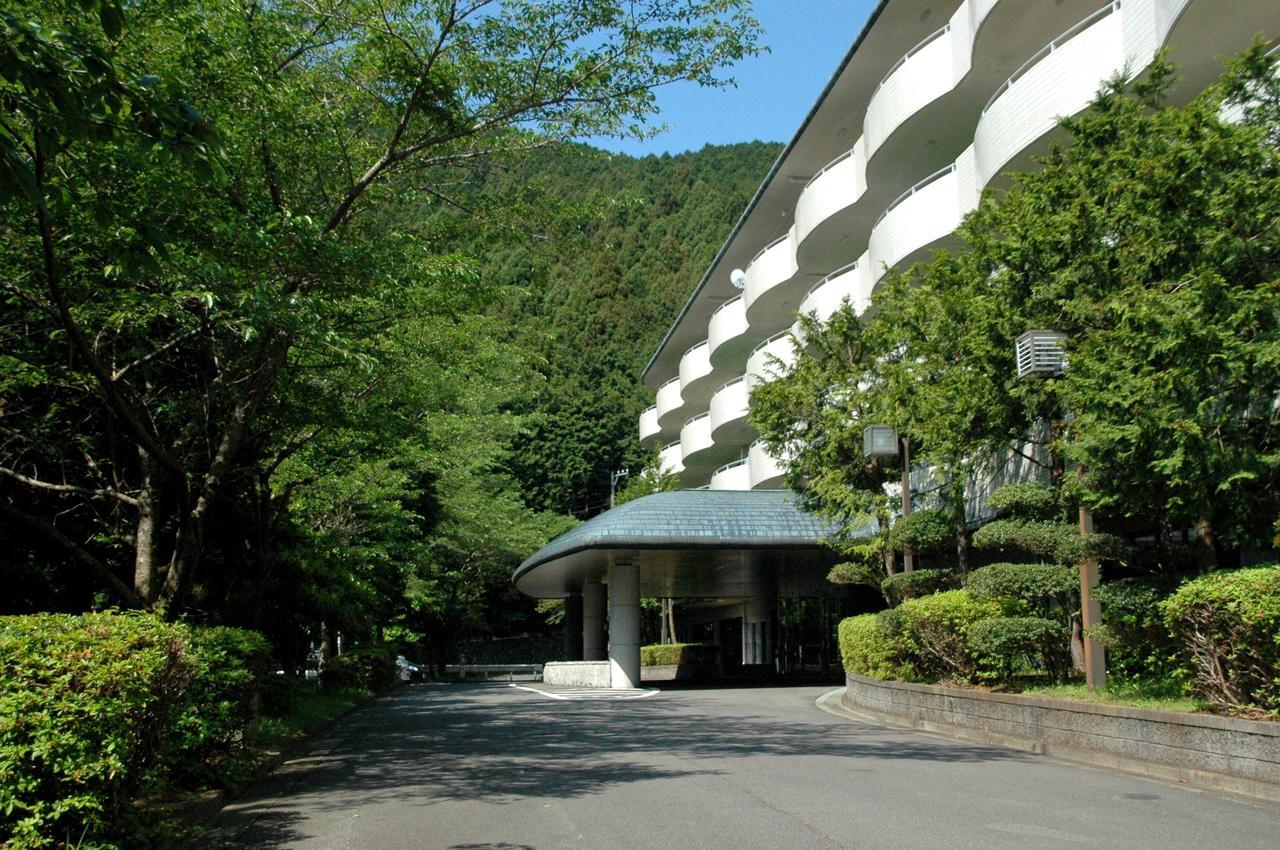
(1229, 626)
(935, 630)
(1028, 499)
(1139, 645)
(925, 530)
(900, 586)
(100, 709)
(664, 654)
(868, 647)
(1035, 584)
(1002, 644)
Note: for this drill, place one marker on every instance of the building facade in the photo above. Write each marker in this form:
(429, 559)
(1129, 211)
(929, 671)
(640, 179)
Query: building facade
(934, 103)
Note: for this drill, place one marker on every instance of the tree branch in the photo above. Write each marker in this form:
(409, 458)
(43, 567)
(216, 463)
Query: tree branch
(68, 488)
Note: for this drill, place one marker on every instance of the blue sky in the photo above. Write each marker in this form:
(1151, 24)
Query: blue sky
(807, 39)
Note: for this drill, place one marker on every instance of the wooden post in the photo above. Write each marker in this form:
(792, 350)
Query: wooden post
(1095, 663)
(908, 557)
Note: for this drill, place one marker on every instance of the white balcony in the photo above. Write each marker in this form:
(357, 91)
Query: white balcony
(670, 459)
(670, 405)
(837, 185)
(766, 472)
(1059, 79)
(924, 74)
(729, 408)
(770, 358)
(735, 475)
(833, 291)
(770, 280)
(926, 213)
(726, 331)
(695, 438)
(649, 428)
(695, 375)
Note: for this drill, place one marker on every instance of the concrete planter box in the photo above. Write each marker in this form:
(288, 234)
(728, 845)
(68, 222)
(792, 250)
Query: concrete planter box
(576, 674)
(1218, 752)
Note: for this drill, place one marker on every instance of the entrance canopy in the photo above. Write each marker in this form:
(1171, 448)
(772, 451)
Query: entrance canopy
(690, 543)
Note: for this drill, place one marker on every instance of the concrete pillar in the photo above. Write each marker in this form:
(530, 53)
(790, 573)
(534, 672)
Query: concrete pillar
(593, 645)
(573, 627)
(624, 625)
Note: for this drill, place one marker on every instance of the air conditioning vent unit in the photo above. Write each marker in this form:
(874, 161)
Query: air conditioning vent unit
(1040, 353)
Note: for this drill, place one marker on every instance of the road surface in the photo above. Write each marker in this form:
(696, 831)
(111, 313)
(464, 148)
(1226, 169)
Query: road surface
(496, 766)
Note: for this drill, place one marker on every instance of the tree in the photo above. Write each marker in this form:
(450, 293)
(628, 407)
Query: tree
(205, 230)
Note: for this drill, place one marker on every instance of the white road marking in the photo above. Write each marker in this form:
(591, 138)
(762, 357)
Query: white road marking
(581, 694)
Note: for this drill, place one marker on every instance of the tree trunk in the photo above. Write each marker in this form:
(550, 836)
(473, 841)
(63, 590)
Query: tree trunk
(1209, 553)
(144, 537)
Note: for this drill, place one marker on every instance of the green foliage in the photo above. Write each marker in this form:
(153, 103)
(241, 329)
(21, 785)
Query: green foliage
(856, 572)
(935, 631)
(99, 709)
(693, 654)
(1037, 585)
(900, 586)
(1060, 542)
(367, 668)
(652, 478)
(1228, 624)
(870, 646)
(1140, 647)
(1004, 645)
(1026, 500)
(927, 530)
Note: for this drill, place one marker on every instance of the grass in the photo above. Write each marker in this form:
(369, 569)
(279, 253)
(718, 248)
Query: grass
(312, 709)
(1156, 695)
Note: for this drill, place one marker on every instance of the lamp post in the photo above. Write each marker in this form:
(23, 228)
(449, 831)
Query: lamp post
(1040, 353)
(881, 441)
(614, 478)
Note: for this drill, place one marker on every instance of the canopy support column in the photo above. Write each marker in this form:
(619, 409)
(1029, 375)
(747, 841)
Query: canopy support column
(593, 645)
(624, 625)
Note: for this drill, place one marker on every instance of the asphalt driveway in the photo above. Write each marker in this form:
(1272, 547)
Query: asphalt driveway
(494, 766)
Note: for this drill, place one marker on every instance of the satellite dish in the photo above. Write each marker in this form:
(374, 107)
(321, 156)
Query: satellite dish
(738, 278)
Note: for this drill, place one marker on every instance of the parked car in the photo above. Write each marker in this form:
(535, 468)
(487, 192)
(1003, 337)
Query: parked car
(407, 671)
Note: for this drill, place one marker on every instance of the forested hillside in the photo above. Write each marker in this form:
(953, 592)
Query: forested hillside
(592, 291)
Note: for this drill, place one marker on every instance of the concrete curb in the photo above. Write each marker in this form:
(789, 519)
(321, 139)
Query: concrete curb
(839, 703)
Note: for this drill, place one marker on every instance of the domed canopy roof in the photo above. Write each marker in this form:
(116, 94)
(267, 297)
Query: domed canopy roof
(687, 543)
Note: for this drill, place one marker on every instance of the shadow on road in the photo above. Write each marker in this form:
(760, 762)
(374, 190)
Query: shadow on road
(431, 745)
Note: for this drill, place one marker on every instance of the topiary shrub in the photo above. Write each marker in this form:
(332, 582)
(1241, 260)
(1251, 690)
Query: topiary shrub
(1027, 499)
(936, 632)
(1139, 645)
(1060, 542)
(870, 646)
(1037, 585)
(900, 586)
(1002, 645)
(675, 654)
(1228, 624)
(853, 572)
(927, 530)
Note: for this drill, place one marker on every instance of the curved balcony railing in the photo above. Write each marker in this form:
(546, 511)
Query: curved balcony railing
(825, 297)
(775, 264)
(694, 364)
(898, 201)
(828, 167)
(670, 458)
(669, 402)
(1052, 46)
(649, 427)
(765, 470)
(1060, 79)
(735, 475)
(921, 45)
(728, 322)
(765, 358)
(695, 436)
(920, 77)
(730, 405)
(930, 211)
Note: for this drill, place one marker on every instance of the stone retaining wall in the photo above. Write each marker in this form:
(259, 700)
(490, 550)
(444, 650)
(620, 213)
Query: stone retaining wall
(1220, 752)
(576, 674)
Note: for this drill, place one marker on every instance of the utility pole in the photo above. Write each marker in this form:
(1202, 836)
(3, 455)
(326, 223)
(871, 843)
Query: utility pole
(908, 556)
(614, 478)
(1095, 662)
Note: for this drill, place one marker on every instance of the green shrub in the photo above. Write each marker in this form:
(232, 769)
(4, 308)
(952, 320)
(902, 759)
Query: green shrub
(1026, 499)
(1002, 645)
(1140, 647)
(869, 647)
(1228, 624)
(695, 654)
(855, 572)
(100, 709)
(230, 667)
(900, 586)
(1038, 585)
(1060, 542)
(367, 668)
(927, 530)
(936, 631)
